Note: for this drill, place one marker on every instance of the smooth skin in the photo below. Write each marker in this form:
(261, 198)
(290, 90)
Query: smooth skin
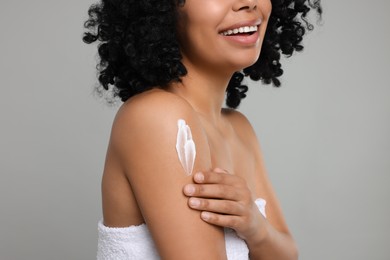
(143, 180)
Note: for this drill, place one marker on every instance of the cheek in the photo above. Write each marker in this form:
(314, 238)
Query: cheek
(266, 6)
(203, 13)
(198, 27)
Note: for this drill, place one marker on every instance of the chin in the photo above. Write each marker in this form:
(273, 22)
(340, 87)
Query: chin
(245, 61)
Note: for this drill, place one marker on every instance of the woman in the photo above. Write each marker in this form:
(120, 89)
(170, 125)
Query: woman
(184, 177)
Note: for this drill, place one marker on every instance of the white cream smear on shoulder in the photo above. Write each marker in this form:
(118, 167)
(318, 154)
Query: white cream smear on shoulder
(185, 147)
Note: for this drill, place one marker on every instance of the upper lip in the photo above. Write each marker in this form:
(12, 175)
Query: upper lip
(255, 22)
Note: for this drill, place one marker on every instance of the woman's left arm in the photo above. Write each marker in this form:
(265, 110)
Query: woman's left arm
(225, 200)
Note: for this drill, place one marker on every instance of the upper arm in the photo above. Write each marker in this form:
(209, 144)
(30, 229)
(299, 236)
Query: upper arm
(144, 139)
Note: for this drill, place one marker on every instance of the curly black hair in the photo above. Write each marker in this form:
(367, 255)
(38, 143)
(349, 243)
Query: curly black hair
(139, 49)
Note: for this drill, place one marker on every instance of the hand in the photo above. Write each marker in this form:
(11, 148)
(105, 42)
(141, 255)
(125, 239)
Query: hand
(225, 200)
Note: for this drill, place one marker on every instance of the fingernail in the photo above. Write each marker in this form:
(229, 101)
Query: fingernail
(189, 189)
(199, 177)
(205, 215)
(194, 202)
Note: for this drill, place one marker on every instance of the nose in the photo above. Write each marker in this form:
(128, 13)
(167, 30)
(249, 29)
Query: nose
(247, 5)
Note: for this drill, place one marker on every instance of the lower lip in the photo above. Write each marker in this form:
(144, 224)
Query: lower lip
(243, 39)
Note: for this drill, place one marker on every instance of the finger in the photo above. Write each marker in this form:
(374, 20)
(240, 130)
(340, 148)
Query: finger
(216, 191)
(229, 221)
(220, 170)
(217, 206)
(216, 176)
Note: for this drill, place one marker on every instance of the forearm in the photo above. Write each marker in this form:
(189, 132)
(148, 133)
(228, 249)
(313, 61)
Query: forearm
(275, 245)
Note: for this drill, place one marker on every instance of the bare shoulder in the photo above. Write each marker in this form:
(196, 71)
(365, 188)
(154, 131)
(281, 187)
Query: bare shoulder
(241, 125)
(151, 114)
(151, 118)
(238, 119)
(151, 105)
(156, 98)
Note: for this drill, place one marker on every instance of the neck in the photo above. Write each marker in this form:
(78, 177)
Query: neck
(204, 90)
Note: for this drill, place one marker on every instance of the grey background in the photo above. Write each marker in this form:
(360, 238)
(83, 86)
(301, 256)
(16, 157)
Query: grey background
(324, 134)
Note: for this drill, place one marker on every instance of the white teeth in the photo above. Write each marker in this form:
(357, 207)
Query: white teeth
(244, 29)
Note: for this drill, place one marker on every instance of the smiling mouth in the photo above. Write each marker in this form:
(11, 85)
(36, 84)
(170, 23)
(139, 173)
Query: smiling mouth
(244, 30)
